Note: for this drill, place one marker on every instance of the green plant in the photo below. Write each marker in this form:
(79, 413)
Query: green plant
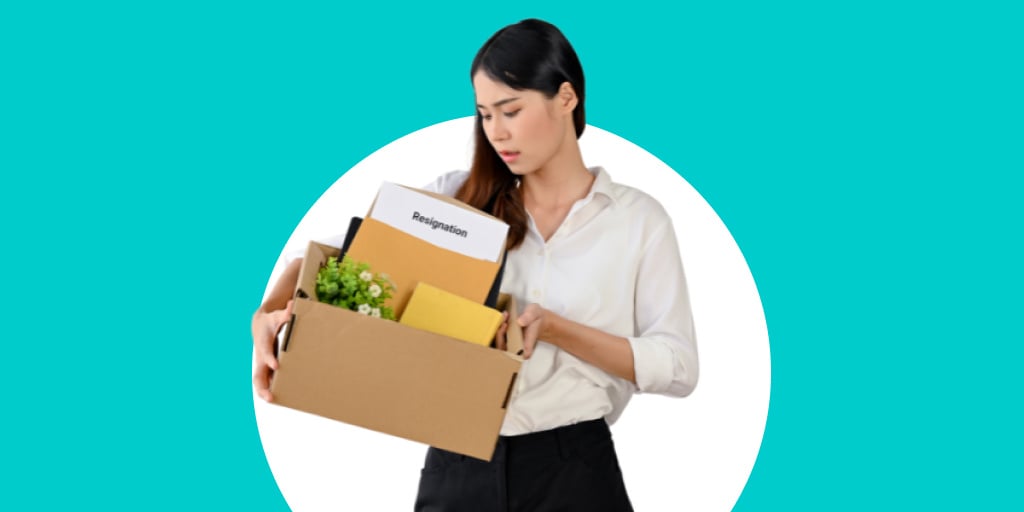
(351, 285)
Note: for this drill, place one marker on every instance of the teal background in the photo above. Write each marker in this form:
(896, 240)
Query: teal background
(866, 157)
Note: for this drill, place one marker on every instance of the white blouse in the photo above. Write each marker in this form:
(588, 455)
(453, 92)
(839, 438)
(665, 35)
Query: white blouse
(613, 265)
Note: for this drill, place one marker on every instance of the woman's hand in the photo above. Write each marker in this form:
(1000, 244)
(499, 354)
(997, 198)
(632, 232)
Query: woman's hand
(265, 327)
(536, 323)
(608, 352)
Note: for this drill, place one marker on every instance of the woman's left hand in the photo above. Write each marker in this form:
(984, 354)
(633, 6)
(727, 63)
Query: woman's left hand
(536, 323)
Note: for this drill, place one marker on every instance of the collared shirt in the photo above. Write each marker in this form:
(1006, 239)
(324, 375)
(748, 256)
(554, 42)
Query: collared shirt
(613, 265)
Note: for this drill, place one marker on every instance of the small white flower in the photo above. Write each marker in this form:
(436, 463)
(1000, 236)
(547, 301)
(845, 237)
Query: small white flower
(375, 290)
(375, 312)
(364, 309)
(366, 276)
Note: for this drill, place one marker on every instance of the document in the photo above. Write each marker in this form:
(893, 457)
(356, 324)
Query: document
(444, 223)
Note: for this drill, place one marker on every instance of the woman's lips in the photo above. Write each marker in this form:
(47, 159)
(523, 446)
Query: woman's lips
(509, 156)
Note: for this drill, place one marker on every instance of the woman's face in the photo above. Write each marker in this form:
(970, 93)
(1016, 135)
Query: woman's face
(526, 128)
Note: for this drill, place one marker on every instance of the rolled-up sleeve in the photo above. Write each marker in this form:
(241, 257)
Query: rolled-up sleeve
(664, 344)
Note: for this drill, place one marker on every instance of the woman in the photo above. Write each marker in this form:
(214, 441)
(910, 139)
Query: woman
(598, 265)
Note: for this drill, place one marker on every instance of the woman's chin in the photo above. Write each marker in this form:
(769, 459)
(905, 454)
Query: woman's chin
(520, 170)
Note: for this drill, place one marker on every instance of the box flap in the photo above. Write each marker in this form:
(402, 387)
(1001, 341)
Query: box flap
(316, 257)
(514, 334)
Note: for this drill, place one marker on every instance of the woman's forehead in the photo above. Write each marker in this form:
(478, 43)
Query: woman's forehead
(490, 93)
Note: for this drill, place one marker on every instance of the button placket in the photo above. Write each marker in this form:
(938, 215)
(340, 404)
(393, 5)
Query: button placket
(537, 290)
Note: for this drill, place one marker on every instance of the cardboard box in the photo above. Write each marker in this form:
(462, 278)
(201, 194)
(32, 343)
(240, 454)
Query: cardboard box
(391, 378)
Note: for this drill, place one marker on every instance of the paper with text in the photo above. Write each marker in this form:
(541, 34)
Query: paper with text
(440, 223)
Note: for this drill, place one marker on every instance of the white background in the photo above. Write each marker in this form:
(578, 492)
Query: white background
(691, 454)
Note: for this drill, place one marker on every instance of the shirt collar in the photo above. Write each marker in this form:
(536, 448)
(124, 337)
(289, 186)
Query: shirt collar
(602, 185)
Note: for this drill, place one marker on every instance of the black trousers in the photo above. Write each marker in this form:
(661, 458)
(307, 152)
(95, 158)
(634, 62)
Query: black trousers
(568, 469)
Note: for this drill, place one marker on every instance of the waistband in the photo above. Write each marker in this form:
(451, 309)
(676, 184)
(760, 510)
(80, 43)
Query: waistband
(562, 440)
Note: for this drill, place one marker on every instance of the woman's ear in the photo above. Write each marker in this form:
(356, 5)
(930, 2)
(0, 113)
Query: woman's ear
(567, 98)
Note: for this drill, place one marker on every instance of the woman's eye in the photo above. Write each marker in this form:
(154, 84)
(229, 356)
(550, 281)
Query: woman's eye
(485, 117)
(511, 114)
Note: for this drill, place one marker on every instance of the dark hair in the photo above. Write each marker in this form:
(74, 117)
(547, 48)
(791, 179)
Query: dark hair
(531, 54)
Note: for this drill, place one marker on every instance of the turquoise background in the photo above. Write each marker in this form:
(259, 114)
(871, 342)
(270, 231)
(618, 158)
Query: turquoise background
(866, 157)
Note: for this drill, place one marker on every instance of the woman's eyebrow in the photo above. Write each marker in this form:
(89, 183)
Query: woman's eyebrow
(498, 103)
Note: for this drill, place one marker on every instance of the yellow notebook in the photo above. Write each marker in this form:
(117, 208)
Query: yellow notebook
(435, 310)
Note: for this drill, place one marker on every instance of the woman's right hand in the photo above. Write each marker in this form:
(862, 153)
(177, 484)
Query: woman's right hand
(265, 327)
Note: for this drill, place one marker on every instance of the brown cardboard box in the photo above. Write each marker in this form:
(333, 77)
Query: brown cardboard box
(391, 378)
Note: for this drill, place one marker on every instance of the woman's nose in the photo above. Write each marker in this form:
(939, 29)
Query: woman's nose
(499, 131)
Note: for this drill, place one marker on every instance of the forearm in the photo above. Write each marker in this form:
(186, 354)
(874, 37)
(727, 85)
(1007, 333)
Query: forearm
(283, 289)
(608, 352)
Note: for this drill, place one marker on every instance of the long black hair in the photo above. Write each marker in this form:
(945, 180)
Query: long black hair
(531, 54)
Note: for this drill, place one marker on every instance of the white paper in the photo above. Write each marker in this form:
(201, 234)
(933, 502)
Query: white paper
(440, 223)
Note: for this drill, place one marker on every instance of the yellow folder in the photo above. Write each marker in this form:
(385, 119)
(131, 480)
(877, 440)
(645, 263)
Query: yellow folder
(435, 310)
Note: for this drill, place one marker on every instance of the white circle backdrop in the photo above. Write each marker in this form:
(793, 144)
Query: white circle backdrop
(694, 453)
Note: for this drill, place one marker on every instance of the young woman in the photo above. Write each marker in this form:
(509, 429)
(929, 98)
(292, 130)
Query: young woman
(608, 313)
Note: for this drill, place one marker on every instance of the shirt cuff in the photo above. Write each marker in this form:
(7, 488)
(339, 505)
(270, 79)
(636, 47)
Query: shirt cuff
(652, 365)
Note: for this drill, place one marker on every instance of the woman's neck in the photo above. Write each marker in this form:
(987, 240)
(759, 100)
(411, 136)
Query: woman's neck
(560, 183)
(557, 192)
